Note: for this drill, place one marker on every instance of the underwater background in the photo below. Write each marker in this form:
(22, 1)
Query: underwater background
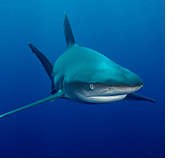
(129, 32)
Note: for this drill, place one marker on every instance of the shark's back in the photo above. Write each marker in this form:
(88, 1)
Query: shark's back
(77, 62)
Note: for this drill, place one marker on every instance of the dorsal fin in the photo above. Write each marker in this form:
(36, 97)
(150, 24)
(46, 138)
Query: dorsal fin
(68, 32)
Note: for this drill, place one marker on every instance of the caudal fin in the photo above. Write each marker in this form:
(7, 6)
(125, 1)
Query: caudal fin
(48, 66)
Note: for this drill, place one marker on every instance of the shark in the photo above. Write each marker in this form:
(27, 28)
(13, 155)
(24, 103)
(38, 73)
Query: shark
(84, 75)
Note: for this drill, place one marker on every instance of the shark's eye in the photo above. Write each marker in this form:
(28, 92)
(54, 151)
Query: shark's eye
(91, 86)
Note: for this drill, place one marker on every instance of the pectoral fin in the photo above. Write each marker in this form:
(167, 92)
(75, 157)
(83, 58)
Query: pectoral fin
(52, 97)
(136, 97)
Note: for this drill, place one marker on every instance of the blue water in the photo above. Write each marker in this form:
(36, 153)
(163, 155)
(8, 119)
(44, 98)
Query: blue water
(130, 32)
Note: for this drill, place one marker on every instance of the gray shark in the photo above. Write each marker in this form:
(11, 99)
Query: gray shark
(83, 75)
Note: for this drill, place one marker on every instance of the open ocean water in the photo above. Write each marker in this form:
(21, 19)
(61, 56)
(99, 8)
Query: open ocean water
(129, 32)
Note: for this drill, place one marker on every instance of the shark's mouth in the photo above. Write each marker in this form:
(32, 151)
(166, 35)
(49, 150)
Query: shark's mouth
(103, 95)
(104, 99)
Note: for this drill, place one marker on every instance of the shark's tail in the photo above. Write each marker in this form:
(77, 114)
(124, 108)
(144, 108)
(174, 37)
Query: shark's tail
(48, 66)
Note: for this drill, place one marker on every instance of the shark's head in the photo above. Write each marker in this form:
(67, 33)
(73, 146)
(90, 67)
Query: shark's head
(101, 81)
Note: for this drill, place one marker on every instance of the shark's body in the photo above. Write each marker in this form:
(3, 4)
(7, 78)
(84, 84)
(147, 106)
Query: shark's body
(86, 76)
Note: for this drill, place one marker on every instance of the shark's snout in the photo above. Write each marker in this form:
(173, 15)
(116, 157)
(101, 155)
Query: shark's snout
(130, 82)
(126, 78)
(133, 80)
(121, 81)
(125, 85)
